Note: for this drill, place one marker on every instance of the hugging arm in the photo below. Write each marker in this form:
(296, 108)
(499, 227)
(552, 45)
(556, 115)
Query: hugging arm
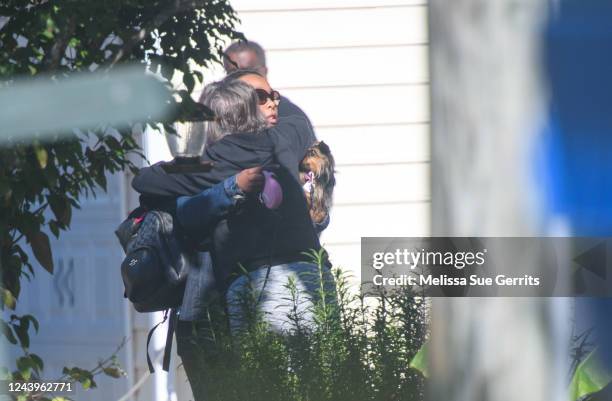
(199, 202)
(155, 181)
(199, 213)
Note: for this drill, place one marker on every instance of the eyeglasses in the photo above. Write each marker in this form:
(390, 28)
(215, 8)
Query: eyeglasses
(263, 96)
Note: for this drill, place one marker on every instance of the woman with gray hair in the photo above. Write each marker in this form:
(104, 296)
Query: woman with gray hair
(235, 105)
(269, 244)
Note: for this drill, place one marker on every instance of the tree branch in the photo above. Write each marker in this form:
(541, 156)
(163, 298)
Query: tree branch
(94, 372)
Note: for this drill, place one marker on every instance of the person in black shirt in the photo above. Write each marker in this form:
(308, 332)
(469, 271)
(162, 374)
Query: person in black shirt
(268, 243)
(251, 56)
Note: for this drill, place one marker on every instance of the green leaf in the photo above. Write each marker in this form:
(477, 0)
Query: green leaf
(83, 376)
(41, 156)
(61, 209)
(37, 361)
(54, 228)
(42, 250)
(7, 332)
(32, 320)
(24, 365)
(420, 361)
(22, 333)
(189, 81)
(87, 383)
(8, 299)
(74, 203)
(113, 143)
(590, 377)
(4, 186)
(100, 179)
(114, 372)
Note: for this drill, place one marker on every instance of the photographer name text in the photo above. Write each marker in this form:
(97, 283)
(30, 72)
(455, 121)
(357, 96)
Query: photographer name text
(444, 280)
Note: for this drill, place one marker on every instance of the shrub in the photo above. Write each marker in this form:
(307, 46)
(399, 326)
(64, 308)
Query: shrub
(359, 348)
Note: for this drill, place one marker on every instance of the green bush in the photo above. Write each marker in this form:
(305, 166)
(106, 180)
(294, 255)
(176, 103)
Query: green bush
(355, 351)
(42, 181)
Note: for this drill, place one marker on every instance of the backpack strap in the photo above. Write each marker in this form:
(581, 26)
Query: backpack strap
(169, 337)
(172, 313)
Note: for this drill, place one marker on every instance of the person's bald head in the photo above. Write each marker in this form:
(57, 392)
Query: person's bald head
(245, 55)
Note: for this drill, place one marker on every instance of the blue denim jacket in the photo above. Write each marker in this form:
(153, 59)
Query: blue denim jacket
(197, 215)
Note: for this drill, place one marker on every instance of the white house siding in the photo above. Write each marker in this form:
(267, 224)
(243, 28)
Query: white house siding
(81, 310)
(359, 69)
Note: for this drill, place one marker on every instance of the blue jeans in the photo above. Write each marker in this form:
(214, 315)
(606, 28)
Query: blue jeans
(267, 292)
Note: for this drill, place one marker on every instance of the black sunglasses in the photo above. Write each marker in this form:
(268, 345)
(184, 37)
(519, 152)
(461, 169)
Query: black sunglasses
(263, 96)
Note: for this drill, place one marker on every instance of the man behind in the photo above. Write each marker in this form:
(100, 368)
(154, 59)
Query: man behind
(250, 55)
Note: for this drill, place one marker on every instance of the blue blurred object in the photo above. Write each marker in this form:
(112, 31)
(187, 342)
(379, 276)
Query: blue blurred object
(578, 142)
(578, 58)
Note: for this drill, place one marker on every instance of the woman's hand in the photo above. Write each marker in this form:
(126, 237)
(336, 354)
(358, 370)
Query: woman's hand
(250, 180)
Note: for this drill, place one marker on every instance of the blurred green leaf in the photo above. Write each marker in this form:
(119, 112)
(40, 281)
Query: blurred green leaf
(64, 42)
(21, 330)
(54, 228)
(42, 250)
(420, 361)
(8, 299)
(189, 81)
(114, 372)
(7, 332)
(38, 362)
(41, 156)
(31, 319)
(61, 208)
(590, 377)
(82, 376)
(25, 366)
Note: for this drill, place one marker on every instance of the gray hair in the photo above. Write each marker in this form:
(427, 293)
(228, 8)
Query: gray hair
(236, 109)
(240, 46)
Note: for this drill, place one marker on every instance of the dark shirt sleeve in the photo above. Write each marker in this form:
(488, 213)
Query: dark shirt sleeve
(155, 181)
(292, 137)
(287, 108)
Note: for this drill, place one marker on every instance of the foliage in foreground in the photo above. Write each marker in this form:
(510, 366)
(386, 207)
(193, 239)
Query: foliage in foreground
(589, 375)
(354, 351)
(42, 181)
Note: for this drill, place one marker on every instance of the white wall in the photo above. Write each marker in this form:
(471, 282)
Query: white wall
(81, 307)
(359, 69)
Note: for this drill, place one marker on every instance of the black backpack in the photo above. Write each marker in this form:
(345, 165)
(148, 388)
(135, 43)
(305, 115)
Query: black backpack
(156, 264)
(155, 267)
